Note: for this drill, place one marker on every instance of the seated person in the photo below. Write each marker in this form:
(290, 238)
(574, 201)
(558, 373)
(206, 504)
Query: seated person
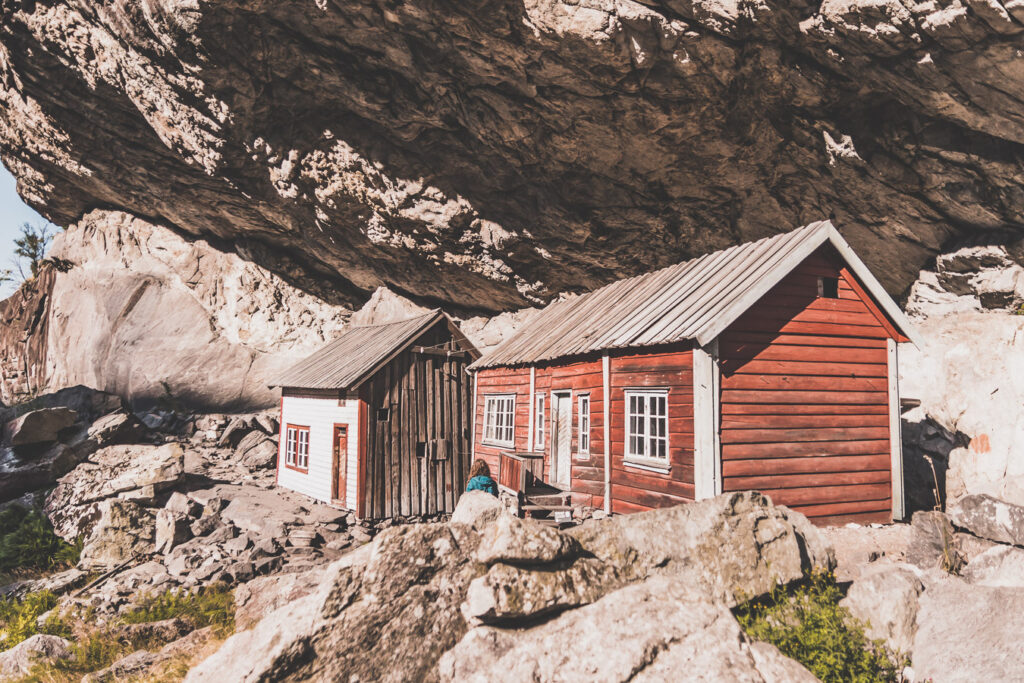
(480, 478)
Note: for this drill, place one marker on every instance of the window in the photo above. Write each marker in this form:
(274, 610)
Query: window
(499, 419)
(828, 287)
(296, 448)
(538, 421)
(583, 415)
(647, 426)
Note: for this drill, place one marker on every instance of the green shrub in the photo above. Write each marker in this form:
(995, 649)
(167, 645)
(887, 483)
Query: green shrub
(27, 542)
(808, 625)
(210, 606)
(19, 618)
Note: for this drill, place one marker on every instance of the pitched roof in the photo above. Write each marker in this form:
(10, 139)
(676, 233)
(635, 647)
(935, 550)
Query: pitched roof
(359, 352)
(695, 300)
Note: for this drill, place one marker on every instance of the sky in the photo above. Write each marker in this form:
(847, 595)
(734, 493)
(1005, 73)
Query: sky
(13, 212)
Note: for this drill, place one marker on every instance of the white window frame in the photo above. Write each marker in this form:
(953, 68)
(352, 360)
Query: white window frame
(492, 424)
(296, 447)
(582, 424)
(539, 422)
(649, 439)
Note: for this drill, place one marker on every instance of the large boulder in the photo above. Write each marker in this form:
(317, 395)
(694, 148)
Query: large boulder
(990, 518)
(658, 630)
(23, 473)
(118, 427)
(734, 546)
(933, 542)
(261, 596)
(256, 450)
(969, 633)
(38, 426)
(172, 529)
(885, 598)
(19, 660)
(532, 585)
(124, 531)
(476, 508)
(127, 471)
(1001, 565)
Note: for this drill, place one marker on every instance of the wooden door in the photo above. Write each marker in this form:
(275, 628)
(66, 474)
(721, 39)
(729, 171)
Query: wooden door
(561, 439)
(340, 463)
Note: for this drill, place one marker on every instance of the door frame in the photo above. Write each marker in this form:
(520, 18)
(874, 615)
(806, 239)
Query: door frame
(552, 437)
(338, 494)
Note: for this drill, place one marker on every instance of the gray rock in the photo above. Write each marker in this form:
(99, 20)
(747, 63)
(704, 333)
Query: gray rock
(182, 504)
(21, 474)
(735, 543)
(163, 631)
(508, 594)
(360, 535)
(475, 508)
(512, 540)
(110, 472)
(885, 598)
(653, 631)
(969, 633)
(693, 558)
(239, 544)
(933, 543)
(118, 427)
(242, 571)
(206, 524)
(261, 456)
(123, 532)
(1000, 565)
(19, 660)
(250, 441)
(38, 426)
(267, 423)
(172, 529)
(261, 596)
(238, 428)
(127, 667)
(990, 518)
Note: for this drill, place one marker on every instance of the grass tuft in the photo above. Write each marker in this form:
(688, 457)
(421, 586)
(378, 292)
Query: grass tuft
(96, 648)
(210, 606)
(28, 544)
(807, 624)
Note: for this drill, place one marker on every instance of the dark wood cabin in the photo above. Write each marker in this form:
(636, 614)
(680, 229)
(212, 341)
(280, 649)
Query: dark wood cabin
(770, 366)
(379, 420)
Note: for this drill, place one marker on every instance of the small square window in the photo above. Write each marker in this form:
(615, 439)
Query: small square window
(383, 414)
(828, 287)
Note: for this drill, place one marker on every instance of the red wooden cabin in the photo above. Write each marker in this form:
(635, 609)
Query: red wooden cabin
(770, 366)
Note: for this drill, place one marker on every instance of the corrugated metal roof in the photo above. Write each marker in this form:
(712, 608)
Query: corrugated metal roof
(692, 300)
(356, 354)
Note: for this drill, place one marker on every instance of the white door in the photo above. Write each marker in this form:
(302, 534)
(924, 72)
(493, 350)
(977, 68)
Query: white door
(561, 439)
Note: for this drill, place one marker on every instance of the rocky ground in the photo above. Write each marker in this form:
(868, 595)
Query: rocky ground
(165, 501)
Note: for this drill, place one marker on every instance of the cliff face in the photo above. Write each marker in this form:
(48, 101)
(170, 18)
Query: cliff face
(486, 154)
(145, 314)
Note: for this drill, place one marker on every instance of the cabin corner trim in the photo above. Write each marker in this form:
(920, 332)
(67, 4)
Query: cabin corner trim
(895, 431)
(707, 447)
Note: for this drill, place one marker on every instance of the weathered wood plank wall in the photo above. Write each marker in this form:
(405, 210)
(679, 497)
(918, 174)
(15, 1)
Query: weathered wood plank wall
(418, 438)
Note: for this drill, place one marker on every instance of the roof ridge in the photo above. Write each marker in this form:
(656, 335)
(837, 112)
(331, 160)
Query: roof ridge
(431, 312)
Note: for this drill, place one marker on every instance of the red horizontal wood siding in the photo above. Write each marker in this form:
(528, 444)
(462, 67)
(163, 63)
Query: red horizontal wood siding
(805, 399)
(633, 488)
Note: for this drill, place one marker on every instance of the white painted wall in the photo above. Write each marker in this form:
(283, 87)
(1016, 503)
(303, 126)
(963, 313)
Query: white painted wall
(320, 415)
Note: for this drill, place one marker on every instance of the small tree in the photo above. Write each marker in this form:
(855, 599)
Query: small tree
(31, 247)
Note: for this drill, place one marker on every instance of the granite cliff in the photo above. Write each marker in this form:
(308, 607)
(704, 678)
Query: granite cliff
(489, 154)
(481, 156)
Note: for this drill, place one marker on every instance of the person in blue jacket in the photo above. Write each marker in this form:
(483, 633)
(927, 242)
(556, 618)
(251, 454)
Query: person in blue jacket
(480, 478)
